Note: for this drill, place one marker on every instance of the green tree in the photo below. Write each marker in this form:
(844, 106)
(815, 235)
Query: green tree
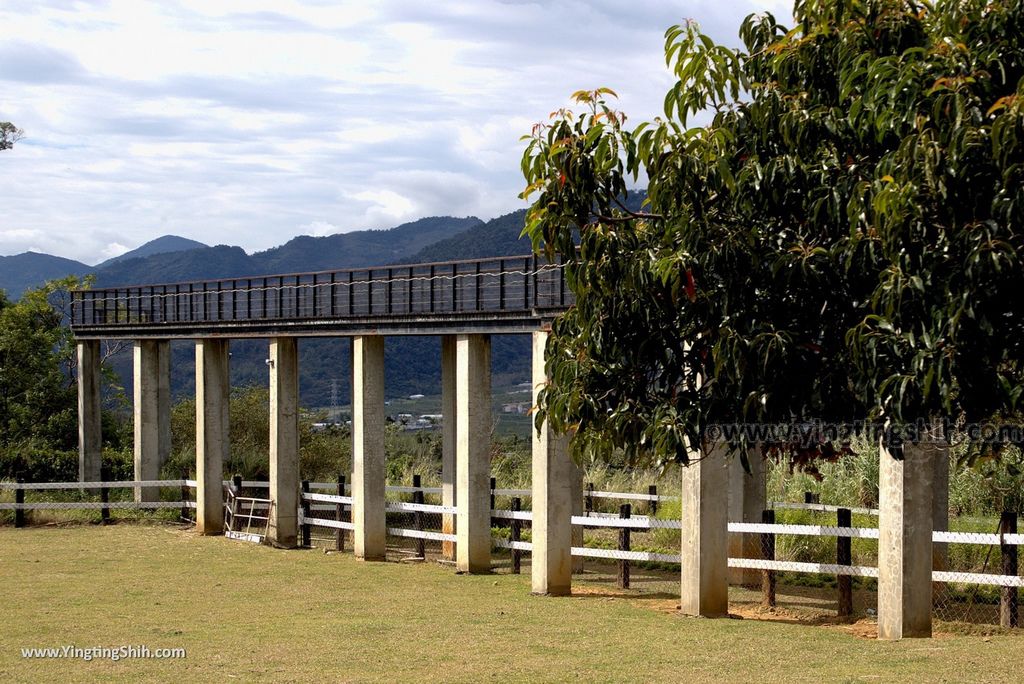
(38, 397)
(840, 241)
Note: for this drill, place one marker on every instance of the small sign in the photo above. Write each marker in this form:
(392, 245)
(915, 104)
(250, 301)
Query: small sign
(244, 536)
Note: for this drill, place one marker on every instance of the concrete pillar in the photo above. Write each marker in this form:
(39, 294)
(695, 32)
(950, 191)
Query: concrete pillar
(448, 441)
(152, 406)
(905, 541)
(747, 499)
(90, 432)
(553, 488)
(705, 507)
(473, 453)
(213, 387)
(284, 441)
(369, 537)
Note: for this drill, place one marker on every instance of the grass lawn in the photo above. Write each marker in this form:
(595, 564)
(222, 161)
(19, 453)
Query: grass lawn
(253, 613)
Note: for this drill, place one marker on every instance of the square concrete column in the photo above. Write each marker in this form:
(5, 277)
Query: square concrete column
(284, 441)
(213, 387)
(746, 503)
(368, 456)
(905, 541)
(473, 453)
(90, 432)
(705, 543)
(152, 413)
(553, 486)
(448, 411)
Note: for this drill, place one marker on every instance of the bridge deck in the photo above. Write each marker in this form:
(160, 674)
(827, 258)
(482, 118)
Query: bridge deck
(497, 295)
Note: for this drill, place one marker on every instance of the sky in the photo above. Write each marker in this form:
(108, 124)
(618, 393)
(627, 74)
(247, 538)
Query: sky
(250, 122)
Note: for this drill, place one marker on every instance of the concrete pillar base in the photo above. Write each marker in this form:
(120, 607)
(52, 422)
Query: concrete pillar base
(448, 441)
(152, 413)
(213, 387)
(905, 541)
(747, 500)
(704, 569)
(284, 441)
(473, 453)
(554, 475)
(369, 537)
(90, 431)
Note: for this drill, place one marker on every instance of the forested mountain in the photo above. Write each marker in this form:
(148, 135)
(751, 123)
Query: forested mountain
(162, 245)
(31, 269)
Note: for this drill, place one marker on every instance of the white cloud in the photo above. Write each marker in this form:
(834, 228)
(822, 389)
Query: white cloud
(250, 121)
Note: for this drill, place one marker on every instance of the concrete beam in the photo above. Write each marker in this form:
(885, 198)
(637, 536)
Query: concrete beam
(90, 431)
(553, 487)
(213, 387)
(152, 413)
(473, 453)
(705, 507)
(448, 441)
(905, 541)
(369, 538)
(284, 441)
(747, 500)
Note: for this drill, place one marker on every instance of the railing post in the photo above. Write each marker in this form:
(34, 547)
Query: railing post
(105, 500)
(652, 505)
(588, 500)
(768, 553)
(417, 516)
(306, 537)
(811, 498)
(1008, 553)
(624, 513)
(339, 513)
(19, 500)
(515, 535)
(844, 556)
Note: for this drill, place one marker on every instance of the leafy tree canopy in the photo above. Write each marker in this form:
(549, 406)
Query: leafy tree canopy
(840, 240)
(9, 134)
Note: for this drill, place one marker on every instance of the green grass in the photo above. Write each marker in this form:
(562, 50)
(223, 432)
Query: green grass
(255, 613)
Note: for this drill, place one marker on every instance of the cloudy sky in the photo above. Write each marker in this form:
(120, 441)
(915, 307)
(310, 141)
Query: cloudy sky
(249, 122)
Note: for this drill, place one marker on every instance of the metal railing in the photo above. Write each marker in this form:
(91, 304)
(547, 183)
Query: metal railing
(497, 285)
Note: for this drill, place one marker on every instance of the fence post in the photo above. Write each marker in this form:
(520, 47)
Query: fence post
(811, 498)
(494, 485)
(19, 500)
(844, 556)
(417, 516)
(105, 500)
(1008, 595)
(236, 487)
(339, 513)
(588, 500)
(184, 497)
(768, 553)
(516, 528)
(652, 505)
(624, 512)
(306, 537)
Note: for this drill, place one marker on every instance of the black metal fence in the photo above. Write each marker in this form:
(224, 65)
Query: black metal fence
(507, 284)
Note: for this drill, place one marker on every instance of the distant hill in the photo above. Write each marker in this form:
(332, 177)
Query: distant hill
(497, 237)
(359, 248)
(300, 254)
(161, 245)
(207, 263)
(31, 269)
